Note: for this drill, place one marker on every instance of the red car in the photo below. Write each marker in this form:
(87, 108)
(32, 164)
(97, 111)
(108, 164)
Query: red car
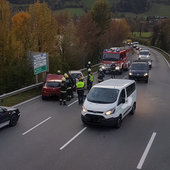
(52, 86)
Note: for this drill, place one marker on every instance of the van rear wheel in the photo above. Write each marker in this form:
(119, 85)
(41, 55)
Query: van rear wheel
(118, 122)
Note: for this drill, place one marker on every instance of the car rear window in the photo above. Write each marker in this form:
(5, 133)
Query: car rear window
(144, 53)
(139, 66)
(53, 84)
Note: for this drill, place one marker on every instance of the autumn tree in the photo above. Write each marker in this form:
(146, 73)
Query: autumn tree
(43, 28)
(118, 32)
(88, 39)
(4, 31)
(21, 33)
(101, 14)
(164, 37)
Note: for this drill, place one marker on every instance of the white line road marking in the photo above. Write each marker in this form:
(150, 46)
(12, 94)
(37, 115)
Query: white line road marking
(73, 138)
(166, 61)
(72, 103)
(140, 164)
(27, 101)
(36, 126)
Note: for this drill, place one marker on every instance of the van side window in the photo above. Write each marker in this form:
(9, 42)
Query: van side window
(130, 89)
(122, 95)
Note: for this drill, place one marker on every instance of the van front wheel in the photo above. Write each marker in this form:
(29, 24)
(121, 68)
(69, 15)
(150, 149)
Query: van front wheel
(118, 122)
(133, 109)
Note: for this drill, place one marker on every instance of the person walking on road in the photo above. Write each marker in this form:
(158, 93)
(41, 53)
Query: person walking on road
(80, 89)
(90, 79)
(100, 75)
(63, 92)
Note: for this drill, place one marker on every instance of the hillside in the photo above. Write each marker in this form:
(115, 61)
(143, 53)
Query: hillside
(120, 7)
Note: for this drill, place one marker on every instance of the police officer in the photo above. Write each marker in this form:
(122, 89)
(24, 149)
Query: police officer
(90, 79)
(89, 65)
(69, 86)
(58, 72)
(80, 89)
(63, 92)
(100, 75)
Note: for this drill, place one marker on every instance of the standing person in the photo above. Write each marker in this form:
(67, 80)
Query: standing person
(63, 92)
(90, 79)
(113, 70)
(89, 65)
(68, 83)
(72, 84)
(80, 89)
(58, 72)
(100, 75)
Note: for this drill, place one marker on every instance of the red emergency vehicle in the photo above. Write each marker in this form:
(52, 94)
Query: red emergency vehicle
(118, 56)
(51, 86)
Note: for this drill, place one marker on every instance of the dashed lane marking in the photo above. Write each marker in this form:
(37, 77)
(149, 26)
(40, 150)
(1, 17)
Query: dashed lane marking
(36, 126)
(72, 103)
(73, 138)
(141, 162)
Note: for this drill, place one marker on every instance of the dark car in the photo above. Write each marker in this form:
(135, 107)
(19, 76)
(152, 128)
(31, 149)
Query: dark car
(139, 71)
(147, 60)
(8, 116)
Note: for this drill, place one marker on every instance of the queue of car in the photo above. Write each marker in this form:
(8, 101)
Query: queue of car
(107, 103)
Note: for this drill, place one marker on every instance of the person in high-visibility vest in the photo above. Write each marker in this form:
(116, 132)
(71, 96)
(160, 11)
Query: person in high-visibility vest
(63, 92)
(80, 89)
(90, 79)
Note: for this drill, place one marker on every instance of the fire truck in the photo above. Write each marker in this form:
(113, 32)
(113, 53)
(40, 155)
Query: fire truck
(118, 56)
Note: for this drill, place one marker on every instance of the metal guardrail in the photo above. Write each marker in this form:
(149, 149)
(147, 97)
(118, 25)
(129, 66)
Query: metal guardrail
(167, 59)
(2, 97)
(161, 51)
(20, 90)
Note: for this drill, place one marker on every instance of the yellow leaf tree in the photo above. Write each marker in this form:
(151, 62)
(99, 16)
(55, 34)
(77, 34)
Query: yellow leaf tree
(43, 28)
(21, 33)
(4, 31)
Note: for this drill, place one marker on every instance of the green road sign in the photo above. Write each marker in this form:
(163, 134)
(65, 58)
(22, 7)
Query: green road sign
(40, 70)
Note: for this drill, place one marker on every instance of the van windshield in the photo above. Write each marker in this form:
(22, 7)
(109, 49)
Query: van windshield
(102, 95)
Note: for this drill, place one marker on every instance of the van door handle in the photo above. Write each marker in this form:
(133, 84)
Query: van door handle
(126, 100)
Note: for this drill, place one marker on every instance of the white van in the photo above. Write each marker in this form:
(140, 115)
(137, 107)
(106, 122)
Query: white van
(109, 102)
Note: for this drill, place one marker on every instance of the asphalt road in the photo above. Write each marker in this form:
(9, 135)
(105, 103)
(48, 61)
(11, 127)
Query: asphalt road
(52, 137)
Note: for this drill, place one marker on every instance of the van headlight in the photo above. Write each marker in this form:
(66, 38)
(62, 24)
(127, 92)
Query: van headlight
(145, 74)
(109, 112)
(117, 68)
(103, 67)
(130, 73)
(84, 110)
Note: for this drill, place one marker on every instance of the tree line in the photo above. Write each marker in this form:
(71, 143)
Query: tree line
(69, 41)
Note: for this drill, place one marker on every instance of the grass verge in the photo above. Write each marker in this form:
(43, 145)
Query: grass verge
(13, 100)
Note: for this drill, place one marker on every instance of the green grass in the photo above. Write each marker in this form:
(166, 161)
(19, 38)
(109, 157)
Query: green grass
(143, 35)
(72, 11)
(13, 100)
(155, 10)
